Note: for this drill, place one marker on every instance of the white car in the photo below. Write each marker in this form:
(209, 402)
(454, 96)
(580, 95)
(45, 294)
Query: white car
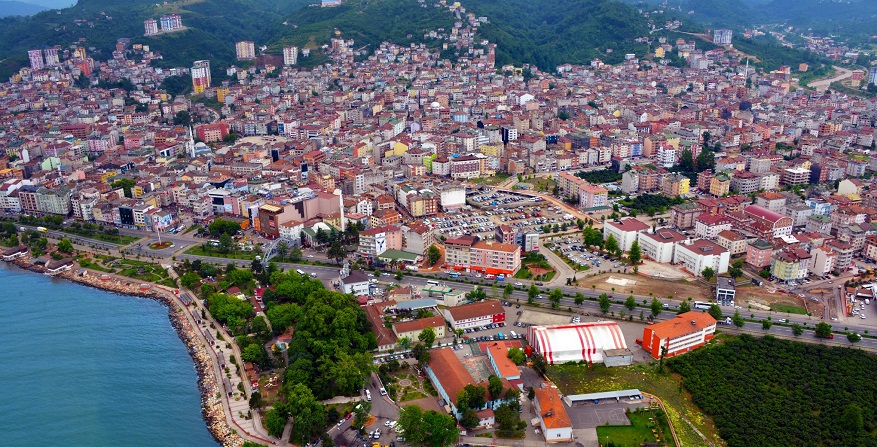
(310, 256)
(518, 284)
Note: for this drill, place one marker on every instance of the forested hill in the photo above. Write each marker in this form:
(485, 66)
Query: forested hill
(213, 27)
(527, 31)
(822, 16)
(550, 33)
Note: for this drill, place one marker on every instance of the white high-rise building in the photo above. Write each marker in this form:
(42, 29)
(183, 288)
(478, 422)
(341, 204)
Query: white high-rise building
(722, 36)
(290, 55)
(150, 27)
(36, 59)
(51, 55)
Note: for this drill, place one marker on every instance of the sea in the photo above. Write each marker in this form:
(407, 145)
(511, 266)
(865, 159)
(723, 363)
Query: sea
(84, 367)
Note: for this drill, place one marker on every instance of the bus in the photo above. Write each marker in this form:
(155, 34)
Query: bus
(702, 305)
(454, 274)
(432, 282)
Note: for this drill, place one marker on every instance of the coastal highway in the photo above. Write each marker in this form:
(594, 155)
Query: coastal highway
(329, 274)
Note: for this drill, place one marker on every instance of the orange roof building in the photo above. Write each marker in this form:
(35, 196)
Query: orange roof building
(684, 333)
(553, 418)
(503, 367)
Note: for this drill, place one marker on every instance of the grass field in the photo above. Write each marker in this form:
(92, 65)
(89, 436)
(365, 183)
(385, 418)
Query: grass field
(682, 413)
(495, 180)
(541, 184)
(198, 250)
(788, 308)
(646, 426)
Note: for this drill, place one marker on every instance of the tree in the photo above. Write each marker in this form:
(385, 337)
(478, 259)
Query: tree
(411, 422)
(555, 296)
(126, 184)
(715, 311)
(470, 419)
(308, 414)
(706, 159)
(611, 244)
(65, 246)
(326, 441)
(737, 319)
(476, 294)
(735, 272)
(797, 330)
(766, 324)
(427, 336)
(684, 307)
(823, 330)
(471, 396)
(336, 252)
(517, 355)
(433, 254)
(225, 243)
(635, 255)
(274, 423)
(604, 303)
(253, 354)
(532, 293)
(360, 413)
(295, 254)
(854, 337)
(656, 306)
(441, 429)
(708, 273)
(190, 280)
(182, 118)
(579, 298)
(421, 353)
(630, 303)
(686, 161)
(507, 291)
(508, 420)
(255, 400)
(494, 387)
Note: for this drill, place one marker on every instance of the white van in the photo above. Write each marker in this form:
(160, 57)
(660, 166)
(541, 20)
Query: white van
(300, 272)
(368, 395)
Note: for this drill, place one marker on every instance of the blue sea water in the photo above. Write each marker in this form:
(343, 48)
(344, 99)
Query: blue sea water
(84, 367)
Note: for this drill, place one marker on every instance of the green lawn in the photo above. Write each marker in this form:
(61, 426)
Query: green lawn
(579, 379)
(788, 308)
(541, 184)
(641, 430)
(495, 180)
(412, 395)
(198, 250)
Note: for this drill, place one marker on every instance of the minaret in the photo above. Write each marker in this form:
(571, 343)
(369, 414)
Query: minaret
(341, 207)
(190, 145)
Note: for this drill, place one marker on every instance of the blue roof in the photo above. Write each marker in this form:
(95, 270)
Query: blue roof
(422, 303)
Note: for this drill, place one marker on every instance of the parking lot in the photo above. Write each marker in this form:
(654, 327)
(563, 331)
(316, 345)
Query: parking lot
(469, 224)
(574, 249)
(591, 415)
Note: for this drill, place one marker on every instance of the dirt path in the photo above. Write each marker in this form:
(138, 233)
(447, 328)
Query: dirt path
(822, 84)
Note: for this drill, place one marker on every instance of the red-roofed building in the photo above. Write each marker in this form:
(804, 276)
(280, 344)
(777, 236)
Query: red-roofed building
(553, 418)
(695, 256)
(474, 314)
(684, 333)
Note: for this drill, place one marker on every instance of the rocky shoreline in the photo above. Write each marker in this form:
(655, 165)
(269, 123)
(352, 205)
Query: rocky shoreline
(211, 405)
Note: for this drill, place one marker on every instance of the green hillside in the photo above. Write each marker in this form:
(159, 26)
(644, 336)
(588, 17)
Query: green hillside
(548, 33)
(367, 22)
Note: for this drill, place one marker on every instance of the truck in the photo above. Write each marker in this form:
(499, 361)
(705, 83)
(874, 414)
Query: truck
(42, 229)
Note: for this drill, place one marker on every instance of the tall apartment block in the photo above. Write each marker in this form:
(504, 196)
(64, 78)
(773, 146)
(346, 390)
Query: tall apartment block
(171, 22)
(722, 36)
(245, 50)
(36, 59)
(51, 55)
(290, 55)
(200, 76)
(150, 27)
